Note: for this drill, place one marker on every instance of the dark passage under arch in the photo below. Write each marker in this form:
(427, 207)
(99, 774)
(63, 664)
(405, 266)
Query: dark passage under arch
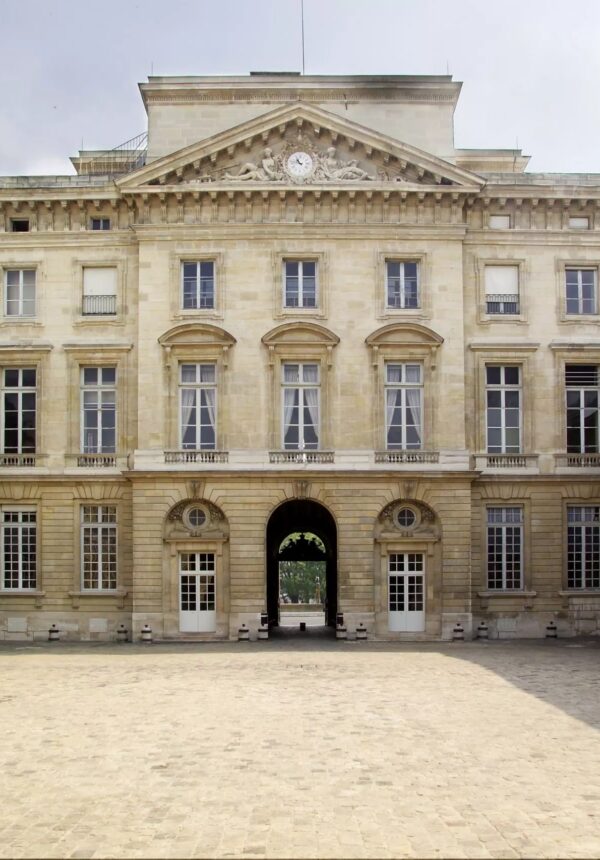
(301, 515)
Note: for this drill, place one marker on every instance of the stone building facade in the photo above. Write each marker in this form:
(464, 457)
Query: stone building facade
(301, 308)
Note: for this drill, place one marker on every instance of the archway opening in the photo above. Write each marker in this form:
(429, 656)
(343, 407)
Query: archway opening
(301, 565)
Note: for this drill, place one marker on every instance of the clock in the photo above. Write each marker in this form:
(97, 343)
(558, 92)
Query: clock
(299, 164)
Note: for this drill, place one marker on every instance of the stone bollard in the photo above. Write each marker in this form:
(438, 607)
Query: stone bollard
(122, 633)
(482, 630)
(243, 633)
(361, 633)
(53, 634)
(146, 634)
(303, 627)
(458, 634)
(551, 630)
(339, 619)
(341, 632)
(263, 632)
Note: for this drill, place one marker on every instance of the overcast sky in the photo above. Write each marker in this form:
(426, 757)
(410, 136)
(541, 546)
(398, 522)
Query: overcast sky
(69, 68)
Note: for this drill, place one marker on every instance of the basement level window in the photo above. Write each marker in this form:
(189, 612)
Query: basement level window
(19, 225)
(100, 224)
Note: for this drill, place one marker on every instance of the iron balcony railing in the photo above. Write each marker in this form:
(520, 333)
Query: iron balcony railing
(99, 305)
(502, 303)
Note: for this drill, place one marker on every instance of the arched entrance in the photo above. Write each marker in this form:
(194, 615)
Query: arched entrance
(302, 516)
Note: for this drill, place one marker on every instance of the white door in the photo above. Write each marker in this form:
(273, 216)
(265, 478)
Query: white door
(197, 592)
(406, 592)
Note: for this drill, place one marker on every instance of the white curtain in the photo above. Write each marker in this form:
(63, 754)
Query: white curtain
(413, 403)
(394, 401)
(289, 397)
(209, 402)
(311, 398)
(188, 406)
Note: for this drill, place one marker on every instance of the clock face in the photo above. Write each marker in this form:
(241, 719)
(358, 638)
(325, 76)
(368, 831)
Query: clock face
(299, 164)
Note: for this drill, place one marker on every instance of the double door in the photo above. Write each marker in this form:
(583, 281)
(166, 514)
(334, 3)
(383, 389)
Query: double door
(406, 592)
(197, 605)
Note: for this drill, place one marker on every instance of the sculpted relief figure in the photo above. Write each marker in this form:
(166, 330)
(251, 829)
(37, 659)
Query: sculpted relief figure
(327, 168)
(335, 170)
(266, 171)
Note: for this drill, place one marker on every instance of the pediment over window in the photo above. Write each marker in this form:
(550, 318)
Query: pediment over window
(196, 334)
(300, 334)
(299, 145)
(404, 334)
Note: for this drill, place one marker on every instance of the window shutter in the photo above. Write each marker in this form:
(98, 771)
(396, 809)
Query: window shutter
(501, 280)
(99, 281)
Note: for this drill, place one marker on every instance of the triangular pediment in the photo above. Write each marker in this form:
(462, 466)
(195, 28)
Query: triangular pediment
(300, 146)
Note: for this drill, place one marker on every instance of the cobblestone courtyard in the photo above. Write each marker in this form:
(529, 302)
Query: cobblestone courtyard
(300, 749)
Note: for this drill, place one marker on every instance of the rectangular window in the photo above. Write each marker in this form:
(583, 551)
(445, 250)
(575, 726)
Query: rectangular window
(198, 406)
(99, 547)
(19, 292)
(402, 284)
(581, 381)
(19, 549)
(100, 224)
(99, 290)
(198, 285)
(19, 396)
(504, 548)
(503, 409)
(580, 290)
(301, 390)
(499, 222)
(300, 284)
(579, 223)
(502, 289)
(583, 547)
(98, 410)
(403, 406)
(19, 225)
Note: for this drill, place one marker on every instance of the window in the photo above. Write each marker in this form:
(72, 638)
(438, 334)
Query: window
(502, 289)
(300, 283)
(503, 409)
(504, 548)
(583, 547)
(19, 395)
(403, 406)
(499, 222)
(99, 547)
(579, 223)
(580, 291)
(19, 292)
(581, 381)
(402, 284)
(19, 549)
(198, 406)
(301, 406)
(98, 410)
(100, 224)
(198, 285)
(99, 290)
(19, 225)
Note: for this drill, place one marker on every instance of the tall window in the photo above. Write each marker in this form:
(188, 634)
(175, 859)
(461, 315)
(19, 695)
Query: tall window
(301, 406)
(503, 409)
(582, 382)
(99, 290)
(404, 406)
(583, 547)
(198, 406)
(19, 549)
(502, 289)
(19, 410)
(580, 289)
(98, 410)
(198, 285)
(402, 284)
(504, 548)
(300, 284)
(98, 547)
(19, 292)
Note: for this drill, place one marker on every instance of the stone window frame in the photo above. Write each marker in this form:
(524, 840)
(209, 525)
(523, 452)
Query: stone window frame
(278, 259)
(193, 255)
(116, 319)
(98, 355)
(568, 353)
(196, 343)
(574, 502)
(484, 318)
(40, 277)
(423, 260)
(561, 266)
(16, 356)
(77, 593)
(505, 355)
(423, 351)
(25, 505)
(295, 342)
(526, 590)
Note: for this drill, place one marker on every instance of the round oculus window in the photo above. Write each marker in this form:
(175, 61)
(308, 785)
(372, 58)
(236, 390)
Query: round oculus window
(196, 517)
(406, 518)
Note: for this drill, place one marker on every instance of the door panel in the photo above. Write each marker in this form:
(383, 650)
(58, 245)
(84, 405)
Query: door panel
(197, 609)
(406, 592)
